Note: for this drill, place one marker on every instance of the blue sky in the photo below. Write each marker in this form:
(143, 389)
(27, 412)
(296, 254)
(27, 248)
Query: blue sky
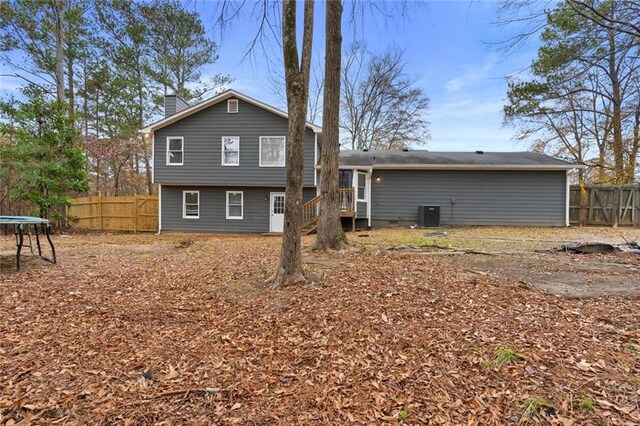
(449, 50)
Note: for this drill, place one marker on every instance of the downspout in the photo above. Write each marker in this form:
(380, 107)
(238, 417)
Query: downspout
(315, 162)
(567, 194)
(370, 179)
(160, 209)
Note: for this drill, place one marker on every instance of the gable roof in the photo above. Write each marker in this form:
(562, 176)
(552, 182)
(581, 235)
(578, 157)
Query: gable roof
(214, 100)
(422, 159)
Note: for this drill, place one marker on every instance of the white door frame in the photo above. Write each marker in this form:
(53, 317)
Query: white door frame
(271, 195)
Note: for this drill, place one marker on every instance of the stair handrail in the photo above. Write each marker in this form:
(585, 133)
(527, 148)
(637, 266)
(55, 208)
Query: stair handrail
(310, 211)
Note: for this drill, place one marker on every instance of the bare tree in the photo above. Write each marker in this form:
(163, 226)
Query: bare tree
(316, 88)
(330, 232)
(297, 67)
(382, 106)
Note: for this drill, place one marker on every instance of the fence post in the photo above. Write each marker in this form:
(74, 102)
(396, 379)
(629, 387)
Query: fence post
(100, 211)
(135, 213)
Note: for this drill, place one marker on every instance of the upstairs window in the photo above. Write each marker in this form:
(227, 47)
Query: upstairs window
(272, 151)
(230, 151)
(190, 204)
(232, 106)
(175, 151)
(234, 204)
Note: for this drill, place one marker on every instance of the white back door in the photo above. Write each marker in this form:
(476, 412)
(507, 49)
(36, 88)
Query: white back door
(277, 212)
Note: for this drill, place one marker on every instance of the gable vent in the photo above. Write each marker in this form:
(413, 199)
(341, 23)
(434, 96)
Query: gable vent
(232, 106)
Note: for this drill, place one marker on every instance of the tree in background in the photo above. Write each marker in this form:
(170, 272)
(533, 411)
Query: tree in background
(112, 68)
(51, 34)
(382, 108)
(43, 153)
(584, 93)
(178, 49)
(125, 47)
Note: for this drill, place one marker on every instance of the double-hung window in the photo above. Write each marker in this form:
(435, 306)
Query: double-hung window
(234, 204)
(272, 151)
(190, 204)
(361, 187)
(175, 151)
(230, 151)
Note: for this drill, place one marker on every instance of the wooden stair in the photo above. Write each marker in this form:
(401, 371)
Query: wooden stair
(311, 209)
(312, 228)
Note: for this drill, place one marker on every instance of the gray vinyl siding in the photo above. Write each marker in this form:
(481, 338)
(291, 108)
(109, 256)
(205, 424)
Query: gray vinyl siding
(528, 198)
(361, 209)
(203, 132)
(174, 104)
(213, 210)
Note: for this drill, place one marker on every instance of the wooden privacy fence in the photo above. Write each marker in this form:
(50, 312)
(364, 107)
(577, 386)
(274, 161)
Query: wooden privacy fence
(137, 213)
(605, 205)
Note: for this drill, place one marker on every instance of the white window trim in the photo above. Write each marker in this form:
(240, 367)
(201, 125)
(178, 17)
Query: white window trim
(241, 205)
(229, 106)
(184, 204)
(222, 150)
(260, 152)
(167, 151)
(365, 199)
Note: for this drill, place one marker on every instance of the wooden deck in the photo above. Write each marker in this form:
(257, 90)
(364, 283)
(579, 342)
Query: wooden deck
(310, 210)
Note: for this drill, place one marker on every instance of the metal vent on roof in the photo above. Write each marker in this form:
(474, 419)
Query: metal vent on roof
(365, 149)
(232, 106)
(479, 152)
(405, 149)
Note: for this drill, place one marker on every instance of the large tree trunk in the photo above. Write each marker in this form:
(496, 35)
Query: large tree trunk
(289, 270)
(331, 236)
(616, 101)
(58, 10)
(146, 154)
(71, 78)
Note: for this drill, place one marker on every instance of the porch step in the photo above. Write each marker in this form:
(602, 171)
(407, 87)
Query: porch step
(310, 228)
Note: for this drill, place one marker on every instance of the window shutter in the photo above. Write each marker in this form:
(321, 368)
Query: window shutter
(232, 106)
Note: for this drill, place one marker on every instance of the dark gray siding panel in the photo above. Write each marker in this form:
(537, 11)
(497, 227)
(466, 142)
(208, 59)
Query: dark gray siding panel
(535, 198)
(203, 132)
(169, 105)
(213, 210)
(361, 210)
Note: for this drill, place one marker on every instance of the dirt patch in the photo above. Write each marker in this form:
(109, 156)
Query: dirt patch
(513, 254)
(561, 274)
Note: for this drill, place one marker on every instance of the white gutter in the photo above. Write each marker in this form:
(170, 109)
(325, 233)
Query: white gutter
(539, 167)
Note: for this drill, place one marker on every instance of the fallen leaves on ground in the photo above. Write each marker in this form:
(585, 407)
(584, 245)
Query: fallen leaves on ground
(132, 330)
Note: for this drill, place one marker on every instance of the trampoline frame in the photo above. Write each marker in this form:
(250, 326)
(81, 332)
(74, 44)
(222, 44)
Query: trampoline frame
(40, 227)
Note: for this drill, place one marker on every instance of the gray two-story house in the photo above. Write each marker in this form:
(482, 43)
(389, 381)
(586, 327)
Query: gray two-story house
(220, 167)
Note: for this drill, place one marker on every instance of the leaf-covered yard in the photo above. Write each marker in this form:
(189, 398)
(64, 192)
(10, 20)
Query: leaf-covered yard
(378, 336)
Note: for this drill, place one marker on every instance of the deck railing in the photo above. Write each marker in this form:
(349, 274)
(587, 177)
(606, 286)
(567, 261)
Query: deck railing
(311, 209)
(347, 200)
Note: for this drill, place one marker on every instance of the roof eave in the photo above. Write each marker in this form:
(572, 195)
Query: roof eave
(539, 167)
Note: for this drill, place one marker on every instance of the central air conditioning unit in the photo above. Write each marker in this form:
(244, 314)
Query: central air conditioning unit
(429, 216)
